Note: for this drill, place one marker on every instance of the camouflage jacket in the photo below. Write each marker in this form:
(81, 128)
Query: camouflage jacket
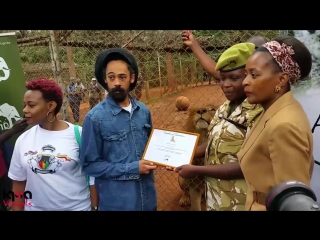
(224, 141)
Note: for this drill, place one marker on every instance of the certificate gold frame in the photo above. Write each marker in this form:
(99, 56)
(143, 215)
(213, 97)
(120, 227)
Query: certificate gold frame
(173, 131)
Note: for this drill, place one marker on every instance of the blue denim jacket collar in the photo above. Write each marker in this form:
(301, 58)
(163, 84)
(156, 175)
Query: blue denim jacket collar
(116, 109)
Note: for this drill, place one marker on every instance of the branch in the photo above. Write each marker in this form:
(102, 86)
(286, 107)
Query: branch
(132, 39)
(31, 39)
(103, 45)
(35, 43)
(65, 35)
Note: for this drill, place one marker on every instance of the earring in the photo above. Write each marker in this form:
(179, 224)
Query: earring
(54, 117)
(277, 89)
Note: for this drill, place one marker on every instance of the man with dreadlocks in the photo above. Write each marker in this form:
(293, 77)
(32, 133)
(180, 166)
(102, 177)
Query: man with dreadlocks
(115, 134)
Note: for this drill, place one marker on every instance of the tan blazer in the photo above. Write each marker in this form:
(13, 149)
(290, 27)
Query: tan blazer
(278, 148)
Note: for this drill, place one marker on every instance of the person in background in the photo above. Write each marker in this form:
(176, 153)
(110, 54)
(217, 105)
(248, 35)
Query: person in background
(95, 93)
(45, 159)
(115, 134)
(75, 92)
(279, 147)
(207, 63)
(18, 127)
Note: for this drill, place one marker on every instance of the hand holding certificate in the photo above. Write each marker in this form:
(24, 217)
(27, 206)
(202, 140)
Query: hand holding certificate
(170, 148)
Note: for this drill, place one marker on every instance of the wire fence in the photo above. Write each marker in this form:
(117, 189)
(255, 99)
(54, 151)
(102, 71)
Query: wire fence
(168, 70)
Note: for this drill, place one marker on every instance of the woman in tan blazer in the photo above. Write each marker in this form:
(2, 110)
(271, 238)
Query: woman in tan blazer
(279, 147)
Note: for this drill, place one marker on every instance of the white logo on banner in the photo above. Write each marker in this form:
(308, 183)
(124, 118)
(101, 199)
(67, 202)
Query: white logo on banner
(7, 114)
(4, 70)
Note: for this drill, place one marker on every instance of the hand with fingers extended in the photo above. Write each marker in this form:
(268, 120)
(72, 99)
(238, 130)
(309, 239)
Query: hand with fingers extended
(19, 126)
(188, 38)
(169, 168)
(187, 171)
(145, 167)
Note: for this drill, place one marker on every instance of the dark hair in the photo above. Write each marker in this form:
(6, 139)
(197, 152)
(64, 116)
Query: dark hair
(257, 40)
(118, 57)
(302, 55)
(50, 90)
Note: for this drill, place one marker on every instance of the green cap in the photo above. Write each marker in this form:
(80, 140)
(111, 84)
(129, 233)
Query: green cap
(235, 57)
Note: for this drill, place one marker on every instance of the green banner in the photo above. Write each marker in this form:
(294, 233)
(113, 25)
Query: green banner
(12, 83)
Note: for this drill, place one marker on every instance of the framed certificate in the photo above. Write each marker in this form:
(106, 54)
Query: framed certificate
(170, 148)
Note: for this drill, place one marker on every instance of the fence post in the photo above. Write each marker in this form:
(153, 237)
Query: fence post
(182, 81)
(72, 66)
(159, 71)
(56, 68)
(146, 88)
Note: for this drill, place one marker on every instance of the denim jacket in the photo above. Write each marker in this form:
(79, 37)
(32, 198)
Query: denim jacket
(113, 142)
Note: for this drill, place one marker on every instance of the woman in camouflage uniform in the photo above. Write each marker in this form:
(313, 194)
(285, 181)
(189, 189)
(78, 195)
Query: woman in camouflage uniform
(225, 187)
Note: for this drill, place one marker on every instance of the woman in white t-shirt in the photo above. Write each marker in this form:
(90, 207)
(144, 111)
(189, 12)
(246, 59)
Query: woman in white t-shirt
(45, 160)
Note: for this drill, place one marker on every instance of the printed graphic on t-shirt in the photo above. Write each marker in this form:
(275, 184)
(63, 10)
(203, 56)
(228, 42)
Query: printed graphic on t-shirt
(46, 161)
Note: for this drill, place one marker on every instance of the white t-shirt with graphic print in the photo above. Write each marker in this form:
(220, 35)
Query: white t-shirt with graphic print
(49, 162)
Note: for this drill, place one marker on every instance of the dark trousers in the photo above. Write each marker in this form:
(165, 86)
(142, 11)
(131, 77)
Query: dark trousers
(93, 102)
(75, 108)
(5, 186)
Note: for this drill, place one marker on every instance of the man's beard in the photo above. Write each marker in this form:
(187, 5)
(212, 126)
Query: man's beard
(118, 94)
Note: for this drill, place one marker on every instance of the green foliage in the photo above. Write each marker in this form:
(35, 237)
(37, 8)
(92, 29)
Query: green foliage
(35, 55)
(302, 86)
(208, 33)
(85, 57)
